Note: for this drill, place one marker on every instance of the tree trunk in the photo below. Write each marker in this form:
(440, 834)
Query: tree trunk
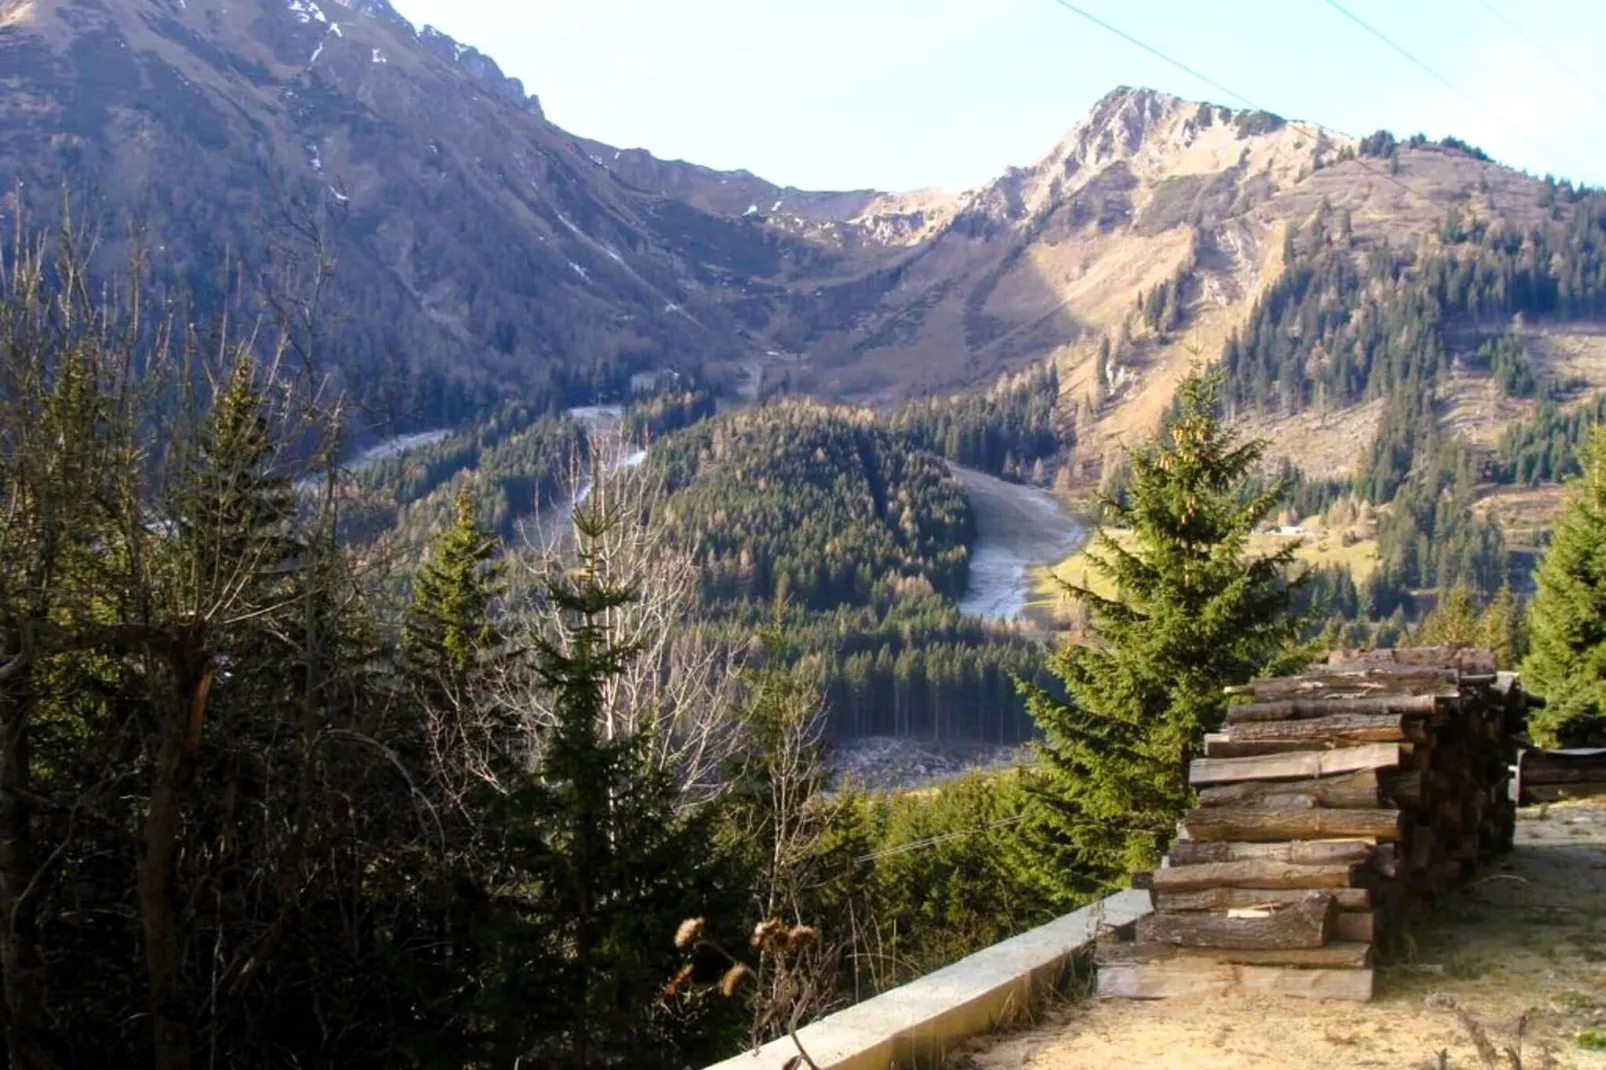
(28, 1042)
(170, 1034)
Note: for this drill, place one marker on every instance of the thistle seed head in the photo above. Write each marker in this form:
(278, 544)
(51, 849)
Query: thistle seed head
(733, 979)
(689, 932)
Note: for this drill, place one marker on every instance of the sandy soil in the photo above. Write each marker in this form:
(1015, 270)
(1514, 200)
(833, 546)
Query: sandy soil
(1529, 937)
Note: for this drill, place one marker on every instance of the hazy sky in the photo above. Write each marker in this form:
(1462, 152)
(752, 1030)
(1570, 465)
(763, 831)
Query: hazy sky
(899, 94)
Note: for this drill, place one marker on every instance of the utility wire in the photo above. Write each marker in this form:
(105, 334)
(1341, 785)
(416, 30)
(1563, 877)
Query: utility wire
(1411, 58)
(932, 841)
(1312, 131)
(1540, 47)
(1157, 54)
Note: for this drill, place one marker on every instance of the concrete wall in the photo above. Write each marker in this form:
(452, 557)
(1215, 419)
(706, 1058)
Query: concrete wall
(928, 1016)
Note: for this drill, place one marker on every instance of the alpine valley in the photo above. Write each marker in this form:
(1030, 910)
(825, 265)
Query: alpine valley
(1417, 329)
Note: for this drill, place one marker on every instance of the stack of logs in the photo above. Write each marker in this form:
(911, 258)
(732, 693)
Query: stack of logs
(1332, 807)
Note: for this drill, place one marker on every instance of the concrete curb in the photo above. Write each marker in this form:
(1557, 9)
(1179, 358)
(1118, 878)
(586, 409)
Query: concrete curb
(930, 1015)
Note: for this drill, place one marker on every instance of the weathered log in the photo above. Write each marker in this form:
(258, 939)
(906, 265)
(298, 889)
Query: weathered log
(1308, 923)
(1360, 926)
(1302, 766)
(1356, 681)
(1345, 955)
(1333, 730)
(1299, 853)
(1228, 898)
(1329, 705)
(1265, 826)
(1258, 873)
(1357, 790)
(1402, 789)
(1221, 745)
(1162, 980)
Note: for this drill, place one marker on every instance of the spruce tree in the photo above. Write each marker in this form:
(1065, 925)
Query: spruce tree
(1193, 611)
(602, 859)
(1454, 621)
(448, 626)
(1567, 619)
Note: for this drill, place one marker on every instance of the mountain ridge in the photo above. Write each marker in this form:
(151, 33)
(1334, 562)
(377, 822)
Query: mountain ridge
(484, 252)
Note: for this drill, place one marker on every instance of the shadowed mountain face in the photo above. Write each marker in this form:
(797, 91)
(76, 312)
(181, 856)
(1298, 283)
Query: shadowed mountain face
(480, 251)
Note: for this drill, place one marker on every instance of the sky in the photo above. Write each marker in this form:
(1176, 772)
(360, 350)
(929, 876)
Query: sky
(908, 94)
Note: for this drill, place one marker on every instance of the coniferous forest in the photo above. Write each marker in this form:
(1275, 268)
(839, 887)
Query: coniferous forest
(481, 751)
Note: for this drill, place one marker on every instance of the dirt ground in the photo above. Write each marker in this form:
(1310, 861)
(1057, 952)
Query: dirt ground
(1528, 937)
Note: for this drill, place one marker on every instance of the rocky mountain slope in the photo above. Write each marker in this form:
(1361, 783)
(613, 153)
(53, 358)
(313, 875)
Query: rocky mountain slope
(482, 251)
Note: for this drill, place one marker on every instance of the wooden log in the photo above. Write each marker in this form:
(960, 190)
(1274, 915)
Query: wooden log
(1163, 980)
(1402, 789)
(1221, 745)
(1356, 681)
(1303, 766)
(1308, 923)
(1358, 790)
(1256, 873)
(1360, 926)
(1329, 705)
(1229, 898)
(1333, 730)
(1337, 955)
(1301, 853)
(1263, 826)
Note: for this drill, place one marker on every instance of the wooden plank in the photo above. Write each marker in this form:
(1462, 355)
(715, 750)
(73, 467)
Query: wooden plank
(1360, 926)
(1162, 980)
(1228, 898)
(1299, 853)
(1329, 705)
(1302, 766)
(1333, 730)
(1256, 873)
(1357, 790)
(1308, 923)
(1346, 955)
(1263, 826)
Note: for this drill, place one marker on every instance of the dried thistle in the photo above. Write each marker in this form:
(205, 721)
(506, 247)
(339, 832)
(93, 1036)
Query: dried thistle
(733, 979)
(766, 933)
(678, 982)
(689, 932)
(801, 938)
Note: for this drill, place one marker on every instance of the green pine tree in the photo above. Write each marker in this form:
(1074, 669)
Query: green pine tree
(1503, 630)
(1454, 621)
(1567, 618)
(1193, 612)
(603, 860)
(448, 627)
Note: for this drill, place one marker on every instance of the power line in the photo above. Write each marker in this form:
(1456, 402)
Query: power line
(932, 841)
(1313, 131)
(1539, 46)
(1411, 58)
(1156, 53)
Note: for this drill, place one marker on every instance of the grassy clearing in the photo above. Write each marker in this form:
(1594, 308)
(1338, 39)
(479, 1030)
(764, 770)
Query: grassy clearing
(1317, 548)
